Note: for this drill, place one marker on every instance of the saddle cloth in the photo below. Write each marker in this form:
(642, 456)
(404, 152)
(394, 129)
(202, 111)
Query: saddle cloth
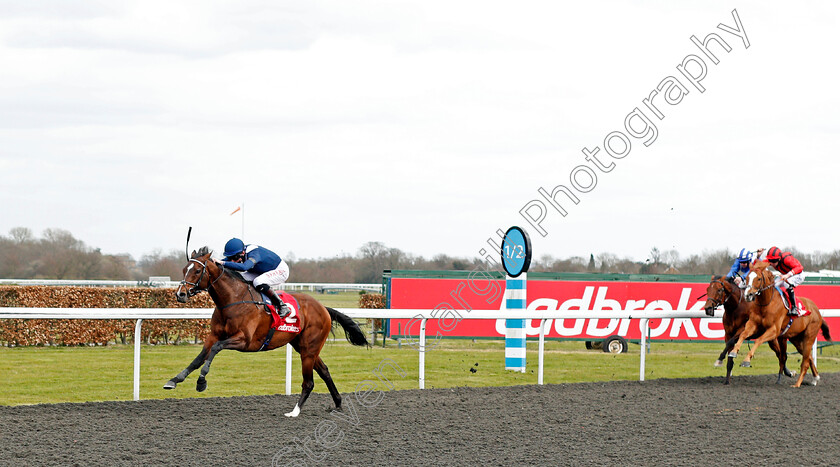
(290, 323)
(799, 304)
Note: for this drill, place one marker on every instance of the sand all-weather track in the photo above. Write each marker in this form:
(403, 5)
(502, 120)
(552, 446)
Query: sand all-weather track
(657, 422)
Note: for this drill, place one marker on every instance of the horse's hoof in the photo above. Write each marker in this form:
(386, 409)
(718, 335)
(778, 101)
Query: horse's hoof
(746, 364)
(293, 413)
(814, 382)
(201, 385)
(732, 354)
(718, 364)
(726, 381)
(170, 384)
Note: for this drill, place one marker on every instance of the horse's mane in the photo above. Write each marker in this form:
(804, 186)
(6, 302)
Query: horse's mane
(759, 265)
(202, 251)
(235, 274)
(230, 272)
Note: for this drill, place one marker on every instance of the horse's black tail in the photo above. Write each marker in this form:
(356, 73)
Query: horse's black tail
(351, 329)
(824, 327)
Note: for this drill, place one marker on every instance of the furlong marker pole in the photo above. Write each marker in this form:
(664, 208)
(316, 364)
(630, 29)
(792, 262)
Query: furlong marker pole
(515, 299)
(516, 259)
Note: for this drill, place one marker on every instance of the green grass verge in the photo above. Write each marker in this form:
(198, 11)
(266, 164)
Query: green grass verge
(77, 374)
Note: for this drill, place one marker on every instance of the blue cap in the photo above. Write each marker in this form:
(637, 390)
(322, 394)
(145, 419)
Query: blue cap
(745, 256)
(233, 247)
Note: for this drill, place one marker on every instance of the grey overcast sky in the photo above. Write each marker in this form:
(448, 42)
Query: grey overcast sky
(426, 125)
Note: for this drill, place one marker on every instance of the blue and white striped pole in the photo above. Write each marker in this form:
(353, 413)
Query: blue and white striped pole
(515, 299)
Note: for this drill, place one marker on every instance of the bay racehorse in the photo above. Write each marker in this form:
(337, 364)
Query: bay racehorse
(770, 319)
(239, 323)
(736, 312)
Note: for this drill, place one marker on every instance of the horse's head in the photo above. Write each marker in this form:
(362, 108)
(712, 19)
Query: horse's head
(196, 275)
(716, 294)
(758, 280)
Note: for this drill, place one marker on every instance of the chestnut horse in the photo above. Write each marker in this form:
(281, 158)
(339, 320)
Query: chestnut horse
(770, 316)
(239, 323)
(736, 312)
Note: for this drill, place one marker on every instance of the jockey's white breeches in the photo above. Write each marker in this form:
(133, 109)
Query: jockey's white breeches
(273, 278)
(793, 281)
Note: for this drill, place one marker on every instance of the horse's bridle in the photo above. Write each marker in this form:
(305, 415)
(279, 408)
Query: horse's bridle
(763, 281)
(196, 288)
(715, 301)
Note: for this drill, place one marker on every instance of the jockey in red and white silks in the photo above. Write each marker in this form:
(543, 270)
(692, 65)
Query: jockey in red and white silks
(791, 274)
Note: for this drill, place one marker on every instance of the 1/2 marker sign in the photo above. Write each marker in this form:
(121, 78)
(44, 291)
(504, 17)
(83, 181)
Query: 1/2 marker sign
(516, 252)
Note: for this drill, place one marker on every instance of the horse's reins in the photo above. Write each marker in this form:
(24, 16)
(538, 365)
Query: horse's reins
(195, 289)
(715, 301)
(763, 281)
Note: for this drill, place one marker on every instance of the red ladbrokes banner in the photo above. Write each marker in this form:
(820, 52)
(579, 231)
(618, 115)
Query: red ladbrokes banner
(475, 293)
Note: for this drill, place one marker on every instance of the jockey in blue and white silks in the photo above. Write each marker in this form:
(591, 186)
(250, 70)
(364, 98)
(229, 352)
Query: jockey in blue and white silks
(740, 268)
(261, 266)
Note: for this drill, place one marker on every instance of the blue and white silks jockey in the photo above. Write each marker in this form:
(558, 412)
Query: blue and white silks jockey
(261, 266)
(740, 268)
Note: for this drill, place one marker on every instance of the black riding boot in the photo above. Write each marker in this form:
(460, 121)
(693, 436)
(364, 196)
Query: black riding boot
(279, 305)
(793, 311)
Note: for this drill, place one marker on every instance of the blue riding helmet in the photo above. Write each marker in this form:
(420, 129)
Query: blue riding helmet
(233, 247)
(745, 256)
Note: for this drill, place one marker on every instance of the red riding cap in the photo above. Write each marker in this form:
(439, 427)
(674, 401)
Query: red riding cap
(774, 253)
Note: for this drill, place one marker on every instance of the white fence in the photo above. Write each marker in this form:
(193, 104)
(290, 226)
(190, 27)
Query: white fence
(357, 313)
(166, 283)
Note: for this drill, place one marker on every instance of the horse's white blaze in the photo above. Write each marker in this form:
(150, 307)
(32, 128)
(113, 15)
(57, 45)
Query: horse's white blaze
(294, 413)
(751, 277)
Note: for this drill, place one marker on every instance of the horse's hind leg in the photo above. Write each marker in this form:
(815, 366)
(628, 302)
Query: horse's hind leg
(180, 377)
(814, 372)
(779, 347)
(307, 363)
(805, 351)
(324, 373)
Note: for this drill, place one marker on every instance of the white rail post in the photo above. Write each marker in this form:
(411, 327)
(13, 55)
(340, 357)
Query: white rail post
(644, 325)
(137, 338)
(541, 352)
(422, 350)
(288, 370)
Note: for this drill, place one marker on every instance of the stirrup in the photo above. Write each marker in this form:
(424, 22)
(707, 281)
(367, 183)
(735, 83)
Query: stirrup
(283, 310)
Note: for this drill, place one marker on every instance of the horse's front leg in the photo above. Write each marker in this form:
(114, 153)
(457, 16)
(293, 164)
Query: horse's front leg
(770, 333)
(180, 377)
(749, 329)
(237, 342)
(726, 348)
(730, 359)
